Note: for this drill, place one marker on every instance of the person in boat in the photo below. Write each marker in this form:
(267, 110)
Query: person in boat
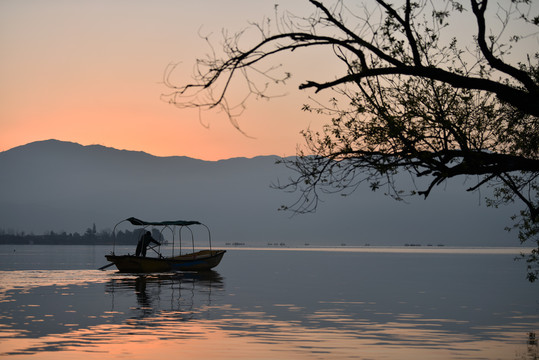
(143, 243)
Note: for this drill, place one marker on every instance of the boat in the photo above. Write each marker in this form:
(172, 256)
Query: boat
(201, 260)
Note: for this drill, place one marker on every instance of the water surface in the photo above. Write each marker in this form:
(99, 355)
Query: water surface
(262, 304)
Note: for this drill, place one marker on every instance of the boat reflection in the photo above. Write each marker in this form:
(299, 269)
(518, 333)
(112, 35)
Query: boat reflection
(184, 294)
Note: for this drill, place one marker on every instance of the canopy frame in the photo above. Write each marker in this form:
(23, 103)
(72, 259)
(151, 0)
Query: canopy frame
(165, 225)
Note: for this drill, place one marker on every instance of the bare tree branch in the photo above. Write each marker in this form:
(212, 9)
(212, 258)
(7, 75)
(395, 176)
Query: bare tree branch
(412, 99)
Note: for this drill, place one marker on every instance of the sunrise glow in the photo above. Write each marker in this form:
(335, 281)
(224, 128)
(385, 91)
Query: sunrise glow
(92, 73)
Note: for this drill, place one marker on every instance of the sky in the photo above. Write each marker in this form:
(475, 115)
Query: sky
(91, 72)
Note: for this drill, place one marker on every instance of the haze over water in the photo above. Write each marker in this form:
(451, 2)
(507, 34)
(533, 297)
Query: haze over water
(363, 303)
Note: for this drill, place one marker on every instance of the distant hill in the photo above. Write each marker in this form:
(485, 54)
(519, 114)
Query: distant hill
(63, 186)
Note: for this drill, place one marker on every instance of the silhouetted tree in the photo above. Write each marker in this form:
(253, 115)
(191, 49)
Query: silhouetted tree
(412, 98)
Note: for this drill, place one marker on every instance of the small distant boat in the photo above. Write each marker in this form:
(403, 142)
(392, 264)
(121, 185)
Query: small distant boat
(201, 260)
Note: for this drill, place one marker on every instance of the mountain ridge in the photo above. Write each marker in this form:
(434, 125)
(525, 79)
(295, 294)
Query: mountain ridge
(63, 144)
(65, 186)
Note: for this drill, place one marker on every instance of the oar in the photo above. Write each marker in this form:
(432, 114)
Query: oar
(155, 251)
(105, 266)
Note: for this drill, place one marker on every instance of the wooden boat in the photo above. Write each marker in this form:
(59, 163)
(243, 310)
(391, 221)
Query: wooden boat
(201, 260)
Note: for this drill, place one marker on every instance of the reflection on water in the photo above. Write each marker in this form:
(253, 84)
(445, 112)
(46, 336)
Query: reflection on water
(181, 295)
(278, 311)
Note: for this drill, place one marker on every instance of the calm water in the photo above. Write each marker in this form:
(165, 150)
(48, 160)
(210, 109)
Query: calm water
(268, 304)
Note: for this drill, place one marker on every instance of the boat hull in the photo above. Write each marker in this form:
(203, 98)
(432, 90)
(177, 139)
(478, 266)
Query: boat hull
(198, 261)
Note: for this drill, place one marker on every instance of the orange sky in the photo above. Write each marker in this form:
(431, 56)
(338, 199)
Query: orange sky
(91, 71)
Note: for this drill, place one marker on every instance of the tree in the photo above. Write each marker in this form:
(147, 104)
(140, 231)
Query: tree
(413, 98)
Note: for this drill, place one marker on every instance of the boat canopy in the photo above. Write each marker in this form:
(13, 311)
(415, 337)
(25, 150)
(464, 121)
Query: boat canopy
(138, 222)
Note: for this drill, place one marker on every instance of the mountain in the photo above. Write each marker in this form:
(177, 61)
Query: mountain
(63, 186)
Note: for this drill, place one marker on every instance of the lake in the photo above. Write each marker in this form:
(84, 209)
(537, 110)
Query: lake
(276, 303)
